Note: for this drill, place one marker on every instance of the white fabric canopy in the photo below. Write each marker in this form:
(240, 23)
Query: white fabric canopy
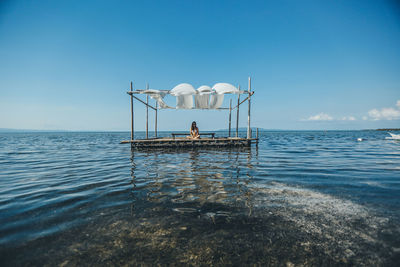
(202, 98)
(184, 102)
(216, 101)
(204, 89)
(183, 89)
(205, 97)
(158, 96)
(225, 88)
(183, 93)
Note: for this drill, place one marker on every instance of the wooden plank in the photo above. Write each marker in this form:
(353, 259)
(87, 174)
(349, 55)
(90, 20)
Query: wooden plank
(183, 143)
(140, 100)
(244, 100)
(188, 134)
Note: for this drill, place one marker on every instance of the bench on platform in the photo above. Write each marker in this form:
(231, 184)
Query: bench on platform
(188, 134)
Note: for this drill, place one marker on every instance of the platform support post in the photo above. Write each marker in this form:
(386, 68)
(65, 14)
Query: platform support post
(132, 133)
(237, 114)
(248, 112)
(230, 116)
(155, 126)
(147, 113)
(257, 137)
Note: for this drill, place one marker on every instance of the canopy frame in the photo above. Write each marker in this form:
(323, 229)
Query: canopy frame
(132, 94)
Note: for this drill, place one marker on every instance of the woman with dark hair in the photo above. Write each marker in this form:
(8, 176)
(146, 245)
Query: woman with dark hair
(194, 131)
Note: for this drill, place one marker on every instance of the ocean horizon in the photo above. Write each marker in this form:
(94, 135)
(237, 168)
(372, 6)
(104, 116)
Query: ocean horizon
(241, 129)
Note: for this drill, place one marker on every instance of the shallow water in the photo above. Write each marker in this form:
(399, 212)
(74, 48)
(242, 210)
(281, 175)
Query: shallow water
(312, 198)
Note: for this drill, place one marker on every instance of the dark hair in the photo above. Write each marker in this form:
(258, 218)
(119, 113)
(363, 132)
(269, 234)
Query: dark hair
(193, 125)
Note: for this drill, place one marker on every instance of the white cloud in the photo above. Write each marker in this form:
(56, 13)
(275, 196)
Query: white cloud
(391, 113)
(320, 117)
(348, 118)
(385, 113)
(326, 117)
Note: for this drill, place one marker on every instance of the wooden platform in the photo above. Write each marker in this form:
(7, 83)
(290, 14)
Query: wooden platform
(186, 142)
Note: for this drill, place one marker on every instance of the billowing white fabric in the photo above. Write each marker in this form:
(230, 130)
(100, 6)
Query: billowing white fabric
(184, 95)
(225, 88)
(216, 101)
(184, 102)
(204, 89)
(183, 89)
(202, 101)
(202, 98)
(157, 95)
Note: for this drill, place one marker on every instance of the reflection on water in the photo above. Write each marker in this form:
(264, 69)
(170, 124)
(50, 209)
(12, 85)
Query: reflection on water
(188, 180)
(206, 209)
(295, 203)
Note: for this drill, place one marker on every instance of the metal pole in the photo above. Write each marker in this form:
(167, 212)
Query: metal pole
(155, 127)
(147, 113)
(132, 133)
(230, 115)
(237, 115)
(248, 112)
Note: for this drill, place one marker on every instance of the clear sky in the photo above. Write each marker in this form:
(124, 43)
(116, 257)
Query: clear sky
(314, 64)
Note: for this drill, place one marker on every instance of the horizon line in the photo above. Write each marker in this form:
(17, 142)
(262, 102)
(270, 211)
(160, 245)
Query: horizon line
(241, 129)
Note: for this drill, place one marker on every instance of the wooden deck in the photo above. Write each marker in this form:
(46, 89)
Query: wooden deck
(186, 142)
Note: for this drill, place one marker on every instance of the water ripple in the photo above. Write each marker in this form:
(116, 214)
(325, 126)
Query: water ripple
(312, 198)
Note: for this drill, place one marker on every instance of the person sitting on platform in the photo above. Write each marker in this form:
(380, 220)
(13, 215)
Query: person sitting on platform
(194, 131)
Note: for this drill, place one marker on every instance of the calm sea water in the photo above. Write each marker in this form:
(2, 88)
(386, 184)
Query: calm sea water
(313, 198)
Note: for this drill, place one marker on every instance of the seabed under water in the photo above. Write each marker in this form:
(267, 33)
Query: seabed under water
(313, 229)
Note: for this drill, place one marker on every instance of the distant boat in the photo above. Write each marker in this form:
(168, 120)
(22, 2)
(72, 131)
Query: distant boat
(394, 136)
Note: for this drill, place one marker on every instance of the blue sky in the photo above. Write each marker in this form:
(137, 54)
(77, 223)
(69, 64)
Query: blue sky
(314, 64)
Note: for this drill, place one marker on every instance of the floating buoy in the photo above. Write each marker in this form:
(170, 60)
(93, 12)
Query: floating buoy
(359, 139)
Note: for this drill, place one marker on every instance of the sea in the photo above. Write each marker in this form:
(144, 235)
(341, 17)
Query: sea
(308, 198)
